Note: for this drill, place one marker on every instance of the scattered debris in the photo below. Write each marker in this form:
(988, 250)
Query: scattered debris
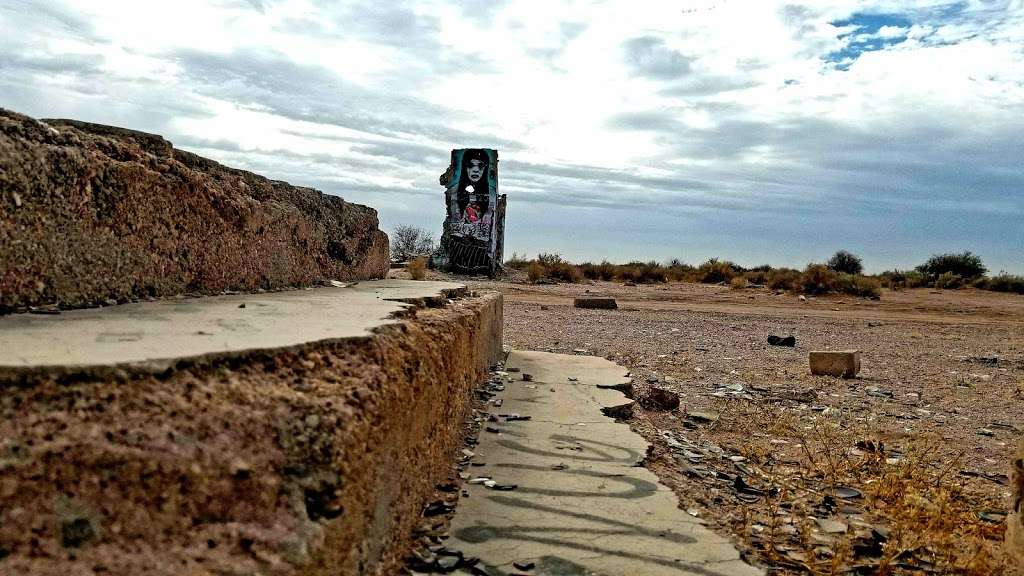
(789, 341)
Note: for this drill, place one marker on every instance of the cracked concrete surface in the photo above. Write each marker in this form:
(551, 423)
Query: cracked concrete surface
(150, 335)
(582, 504)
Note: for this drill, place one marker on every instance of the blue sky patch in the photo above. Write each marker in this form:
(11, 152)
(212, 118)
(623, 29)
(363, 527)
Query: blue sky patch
(865, 36)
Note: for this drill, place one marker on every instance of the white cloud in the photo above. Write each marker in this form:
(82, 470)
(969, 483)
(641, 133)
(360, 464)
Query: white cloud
(733, 110)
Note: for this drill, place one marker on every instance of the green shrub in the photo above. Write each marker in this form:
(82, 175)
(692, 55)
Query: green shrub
(966, 265)
(846, 262)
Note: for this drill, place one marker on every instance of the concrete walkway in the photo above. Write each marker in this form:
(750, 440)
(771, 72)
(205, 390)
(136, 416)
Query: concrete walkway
(150, 335)
(581, 504)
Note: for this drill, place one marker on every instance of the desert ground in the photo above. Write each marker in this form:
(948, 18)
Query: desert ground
(903, 469)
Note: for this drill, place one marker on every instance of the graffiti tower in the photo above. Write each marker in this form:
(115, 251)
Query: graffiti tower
(474, 228)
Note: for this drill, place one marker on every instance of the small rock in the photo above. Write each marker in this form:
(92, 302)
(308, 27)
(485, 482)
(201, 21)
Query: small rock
(524, 566)
(702, 416)
(448, 563)
(527, 377)
(986, 432)
(831, 526)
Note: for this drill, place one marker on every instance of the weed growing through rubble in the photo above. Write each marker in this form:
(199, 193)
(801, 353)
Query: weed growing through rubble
(915, 515)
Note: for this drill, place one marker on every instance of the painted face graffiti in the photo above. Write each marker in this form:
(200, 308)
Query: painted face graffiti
(475, 170)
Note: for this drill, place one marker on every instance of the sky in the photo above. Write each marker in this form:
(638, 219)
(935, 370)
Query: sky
(756, 131)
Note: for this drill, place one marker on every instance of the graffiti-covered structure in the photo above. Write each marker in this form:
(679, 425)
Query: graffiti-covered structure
(474, 228)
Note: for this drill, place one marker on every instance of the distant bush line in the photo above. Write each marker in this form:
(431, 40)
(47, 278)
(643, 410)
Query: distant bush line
(840, 275)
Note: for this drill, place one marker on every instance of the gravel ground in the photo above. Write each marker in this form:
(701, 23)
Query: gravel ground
(901, 470)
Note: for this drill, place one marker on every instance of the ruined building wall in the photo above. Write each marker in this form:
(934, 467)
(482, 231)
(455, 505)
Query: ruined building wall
(92, 213)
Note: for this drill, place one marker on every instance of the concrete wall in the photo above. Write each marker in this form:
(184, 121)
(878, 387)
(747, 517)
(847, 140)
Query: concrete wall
(311, 460)
(92, 213)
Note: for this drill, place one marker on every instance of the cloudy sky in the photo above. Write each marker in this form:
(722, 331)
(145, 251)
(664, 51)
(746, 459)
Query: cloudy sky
(754, 130)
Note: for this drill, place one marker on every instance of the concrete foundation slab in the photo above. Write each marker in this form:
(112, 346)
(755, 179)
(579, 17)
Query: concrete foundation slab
(582, 503)
(150, 336)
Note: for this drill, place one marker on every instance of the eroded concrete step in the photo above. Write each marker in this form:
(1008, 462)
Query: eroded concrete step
(582, 505)
(150, 335)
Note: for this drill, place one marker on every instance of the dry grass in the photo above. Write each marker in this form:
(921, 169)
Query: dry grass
(917, 515)
(418, 268)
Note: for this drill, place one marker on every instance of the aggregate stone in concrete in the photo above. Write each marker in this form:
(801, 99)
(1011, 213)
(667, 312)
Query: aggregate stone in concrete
(152, 334)
(582, 504)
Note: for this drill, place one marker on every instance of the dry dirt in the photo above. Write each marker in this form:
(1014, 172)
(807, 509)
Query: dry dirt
(902, 470)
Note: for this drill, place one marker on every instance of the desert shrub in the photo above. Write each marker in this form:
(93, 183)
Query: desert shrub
(981, 283)
(643, 272)
(857, 285)
(517, 262)
(1006, 283)
(603, 271)
(738, 282)
(846, 262)
(407, 242)
(948, 280)
(817, 279)
(898, 279)
(563, 271)
(418, 268)
(548, 260)
(966, 265)
(758, 274)
(783, 279)
(676, 270)
(534, 271)
(714, 271)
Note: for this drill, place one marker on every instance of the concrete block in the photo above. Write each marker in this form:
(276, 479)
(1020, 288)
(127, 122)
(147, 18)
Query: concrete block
(599, 303)
(845, 363)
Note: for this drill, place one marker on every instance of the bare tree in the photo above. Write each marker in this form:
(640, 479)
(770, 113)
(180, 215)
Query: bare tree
(407, 242)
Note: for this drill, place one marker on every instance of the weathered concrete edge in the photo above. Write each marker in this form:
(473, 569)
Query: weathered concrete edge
(24, 376)
(421, 372)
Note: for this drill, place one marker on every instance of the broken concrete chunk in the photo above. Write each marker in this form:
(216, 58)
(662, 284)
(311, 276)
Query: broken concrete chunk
(596, 303)
(663, 398)
(844, 363)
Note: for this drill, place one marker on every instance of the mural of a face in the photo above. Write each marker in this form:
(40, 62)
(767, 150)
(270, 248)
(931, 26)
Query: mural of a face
(475, 170)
